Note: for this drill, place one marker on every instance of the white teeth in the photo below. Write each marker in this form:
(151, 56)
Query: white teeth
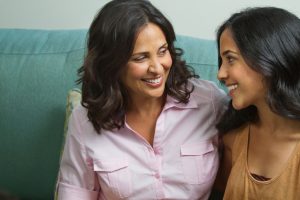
(154, 81)
(232, 87)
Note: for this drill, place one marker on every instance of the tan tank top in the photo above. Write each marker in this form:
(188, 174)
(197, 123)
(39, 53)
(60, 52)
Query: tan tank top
(241, 185)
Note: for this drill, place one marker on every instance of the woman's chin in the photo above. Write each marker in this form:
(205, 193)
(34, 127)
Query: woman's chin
(238, 106)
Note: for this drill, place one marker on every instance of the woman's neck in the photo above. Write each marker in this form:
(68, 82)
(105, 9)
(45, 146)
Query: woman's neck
(142, 115)
(146, 106)
(274, 123)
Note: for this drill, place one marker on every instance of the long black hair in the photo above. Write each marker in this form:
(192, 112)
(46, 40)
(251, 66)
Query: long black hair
(110, 44)
(269, 41)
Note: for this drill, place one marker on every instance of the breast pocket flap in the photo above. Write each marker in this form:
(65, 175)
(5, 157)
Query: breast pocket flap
(196, 149)
(110, 165)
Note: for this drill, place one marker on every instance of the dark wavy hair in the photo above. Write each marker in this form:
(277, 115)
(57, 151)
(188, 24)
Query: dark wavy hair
(111, 40)
(269, 41)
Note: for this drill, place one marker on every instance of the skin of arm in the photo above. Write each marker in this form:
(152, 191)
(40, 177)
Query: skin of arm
(225, 162)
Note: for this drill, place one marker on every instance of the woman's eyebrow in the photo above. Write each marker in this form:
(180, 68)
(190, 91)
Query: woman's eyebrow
(225, 53)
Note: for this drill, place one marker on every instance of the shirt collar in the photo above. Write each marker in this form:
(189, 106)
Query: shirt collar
(172, 102)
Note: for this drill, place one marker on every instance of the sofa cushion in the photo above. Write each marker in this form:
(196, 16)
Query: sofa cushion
(73, 100)
(37, 68)
(201, 54)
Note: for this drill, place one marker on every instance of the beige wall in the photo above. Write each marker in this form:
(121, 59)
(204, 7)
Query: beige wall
(197, 18)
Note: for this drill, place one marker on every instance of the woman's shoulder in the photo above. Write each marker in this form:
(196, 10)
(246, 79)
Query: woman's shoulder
(80, 126)
(231, 136)
(206, 88)
(208, 92)
(80, 115)
(79, 110)
(203, 84)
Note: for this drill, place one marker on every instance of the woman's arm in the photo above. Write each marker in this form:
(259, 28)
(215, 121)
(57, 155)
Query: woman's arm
(77, 178)
(227, 141)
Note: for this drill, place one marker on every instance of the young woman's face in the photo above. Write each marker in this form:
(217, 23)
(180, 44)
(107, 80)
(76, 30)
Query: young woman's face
(246, 87)
(148, 68)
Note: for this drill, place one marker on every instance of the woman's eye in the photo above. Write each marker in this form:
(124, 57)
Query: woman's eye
(163, 51)
(138, 58)
(230, 59)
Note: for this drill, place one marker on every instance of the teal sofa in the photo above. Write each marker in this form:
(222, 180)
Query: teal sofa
(37, 69)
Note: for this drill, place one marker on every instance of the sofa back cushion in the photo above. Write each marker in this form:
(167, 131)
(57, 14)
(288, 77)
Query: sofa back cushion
(201, 54)
(37, 68)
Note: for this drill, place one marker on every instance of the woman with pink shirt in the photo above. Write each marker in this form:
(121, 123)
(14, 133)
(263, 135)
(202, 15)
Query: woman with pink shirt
(146, 126)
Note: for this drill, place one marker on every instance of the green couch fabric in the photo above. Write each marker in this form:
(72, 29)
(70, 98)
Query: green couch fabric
(37, 69)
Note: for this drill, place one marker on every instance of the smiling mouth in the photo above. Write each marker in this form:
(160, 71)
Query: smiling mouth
(232, 87)
(154, 81)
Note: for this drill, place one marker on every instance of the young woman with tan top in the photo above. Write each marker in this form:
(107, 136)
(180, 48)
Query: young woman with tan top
(259, 62)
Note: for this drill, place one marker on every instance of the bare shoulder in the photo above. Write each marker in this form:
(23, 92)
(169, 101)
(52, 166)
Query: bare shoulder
(229, 137)
(228, 140)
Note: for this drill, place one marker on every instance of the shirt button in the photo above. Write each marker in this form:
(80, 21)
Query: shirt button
(157, 151)
(157, 175)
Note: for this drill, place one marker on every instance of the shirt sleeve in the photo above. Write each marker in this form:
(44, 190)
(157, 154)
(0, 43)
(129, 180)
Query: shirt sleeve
(220, 101)
(77, 180)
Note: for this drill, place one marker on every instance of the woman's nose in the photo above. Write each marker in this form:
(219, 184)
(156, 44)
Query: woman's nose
(154, 66)
(222, 73)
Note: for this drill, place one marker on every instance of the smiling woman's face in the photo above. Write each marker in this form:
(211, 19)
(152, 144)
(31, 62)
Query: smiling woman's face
(148, 68)
(246, 87)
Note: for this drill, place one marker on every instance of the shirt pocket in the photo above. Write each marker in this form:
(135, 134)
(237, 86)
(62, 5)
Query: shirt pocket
(115, 175)
(199, 162)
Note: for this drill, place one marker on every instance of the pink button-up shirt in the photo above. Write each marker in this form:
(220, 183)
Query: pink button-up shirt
(120, 164)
